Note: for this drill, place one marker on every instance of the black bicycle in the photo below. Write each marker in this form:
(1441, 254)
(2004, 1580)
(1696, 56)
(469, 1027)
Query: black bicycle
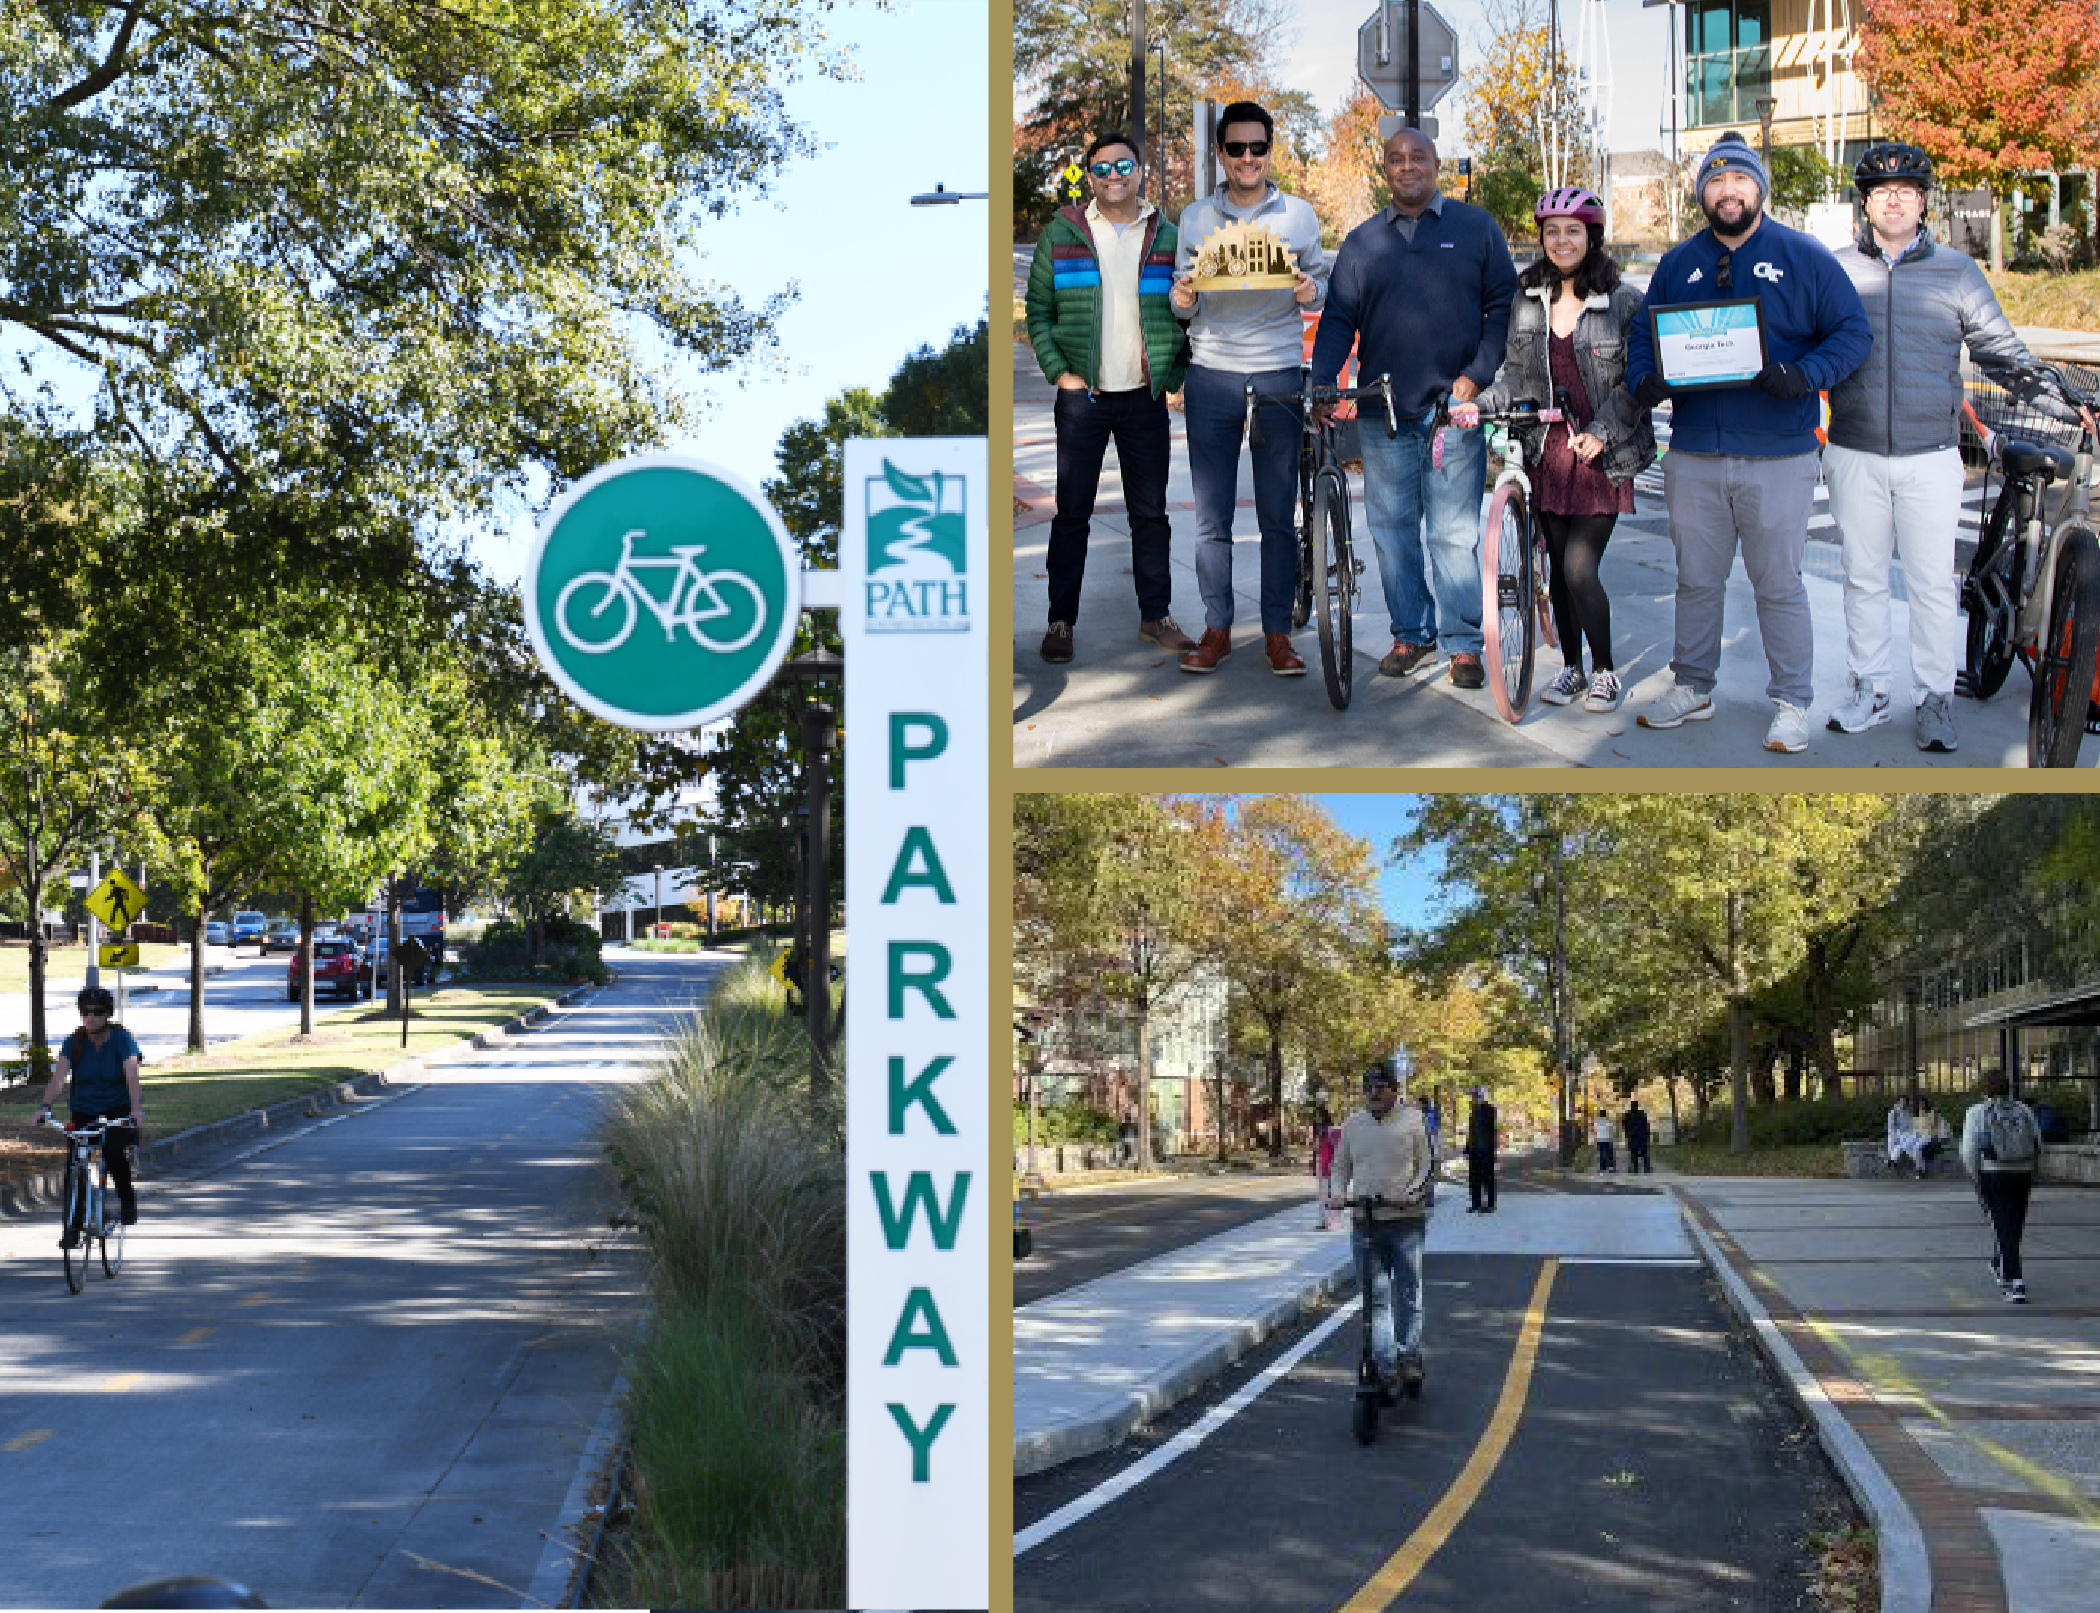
(1328, 570)
(2032, 593)
(86, 1207)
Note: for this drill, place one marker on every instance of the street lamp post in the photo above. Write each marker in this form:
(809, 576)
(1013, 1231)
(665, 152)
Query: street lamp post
(942, 196)
(1766, 105)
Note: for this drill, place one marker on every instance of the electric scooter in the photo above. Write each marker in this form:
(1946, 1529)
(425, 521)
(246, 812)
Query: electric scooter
(1373, 1394)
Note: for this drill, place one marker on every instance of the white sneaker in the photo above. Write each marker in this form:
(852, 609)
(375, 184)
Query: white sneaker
(1681, 704)
(1563, 689)
(1605, 692)
(1936, 724)
(1865, 706)
(1789, 730)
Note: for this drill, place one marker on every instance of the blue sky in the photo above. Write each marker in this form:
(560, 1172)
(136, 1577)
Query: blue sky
(1410, 890)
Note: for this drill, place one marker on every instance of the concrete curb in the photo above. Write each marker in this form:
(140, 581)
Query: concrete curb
(1172, 1383)
(1906, 1572)
(566, 1562)
(40, 1194)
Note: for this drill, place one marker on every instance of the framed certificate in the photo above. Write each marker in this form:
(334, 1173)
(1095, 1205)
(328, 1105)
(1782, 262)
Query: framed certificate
(1709, 344)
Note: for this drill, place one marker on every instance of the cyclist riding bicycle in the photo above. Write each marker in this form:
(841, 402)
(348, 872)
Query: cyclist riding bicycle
(1384, 1155)
(102, 1058)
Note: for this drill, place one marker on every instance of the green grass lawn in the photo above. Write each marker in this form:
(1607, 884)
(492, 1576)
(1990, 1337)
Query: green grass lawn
(70, 963)
(1792, 1159)
(261, 1070)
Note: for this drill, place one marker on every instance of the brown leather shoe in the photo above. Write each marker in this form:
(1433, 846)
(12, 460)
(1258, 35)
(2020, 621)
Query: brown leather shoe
(1057, 643)
(1167, 634)
(1467, 672)
(1212, 648)
(1404, 657)
(1284, 661)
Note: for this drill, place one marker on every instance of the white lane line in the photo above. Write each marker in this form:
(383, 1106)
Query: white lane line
(1629, 1260)
(1182, 1443)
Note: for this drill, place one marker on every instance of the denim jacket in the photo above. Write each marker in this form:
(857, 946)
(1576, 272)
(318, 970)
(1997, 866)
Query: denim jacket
(1623, 427)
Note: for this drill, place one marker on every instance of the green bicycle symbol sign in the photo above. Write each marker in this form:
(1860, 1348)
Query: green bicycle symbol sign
(663, 593)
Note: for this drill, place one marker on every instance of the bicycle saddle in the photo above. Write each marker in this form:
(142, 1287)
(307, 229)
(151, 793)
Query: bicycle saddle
(2027, 458)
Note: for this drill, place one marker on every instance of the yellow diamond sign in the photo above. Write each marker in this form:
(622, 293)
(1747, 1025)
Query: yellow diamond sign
(779, 968)
(120, 955)
(117, 902)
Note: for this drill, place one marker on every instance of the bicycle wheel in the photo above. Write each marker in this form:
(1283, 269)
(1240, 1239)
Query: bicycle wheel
(76, 1258)
(1987, 600)
(755, 609)
(1509, 614)
(112, 1258)
(1334, 585)
(2063, 668)
(586, 628)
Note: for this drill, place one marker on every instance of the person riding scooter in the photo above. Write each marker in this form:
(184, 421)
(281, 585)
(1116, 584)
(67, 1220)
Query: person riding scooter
(1384, 1157)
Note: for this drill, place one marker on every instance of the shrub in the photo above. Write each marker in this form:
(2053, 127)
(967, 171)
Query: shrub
(1807, 1121)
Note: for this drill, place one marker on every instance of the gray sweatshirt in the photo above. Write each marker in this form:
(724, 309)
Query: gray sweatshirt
(1247, 332)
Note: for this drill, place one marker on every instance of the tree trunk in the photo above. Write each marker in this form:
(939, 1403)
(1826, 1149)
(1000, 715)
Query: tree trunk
(1822, 1015)
(196, 1036)
(1738, 1034)
(1144, 1088)
(39, 965)
(393, 946)
(1670, 1092)
(1793, 1069)
(1762, 1087)
(306, 975)
(1276, 1090)
(1997, 232)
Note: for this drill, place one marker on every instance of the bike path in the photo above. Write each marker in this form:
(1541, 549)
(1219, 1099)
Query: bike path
(359, 1366)
(1123, 702)
(1591, 1436)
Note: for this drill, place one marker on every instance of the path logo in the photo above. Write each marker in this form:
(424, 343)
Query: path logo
(917, 579)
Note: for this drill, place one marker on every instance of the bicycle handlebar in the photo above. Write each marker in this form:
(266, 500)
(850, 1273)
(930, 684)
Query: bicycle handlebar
(87, 1133)
(1311, 397)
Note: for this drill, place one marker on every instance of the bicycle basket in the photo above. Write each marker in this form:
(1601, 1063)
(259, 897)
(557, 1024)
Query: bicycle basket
(2024, 417)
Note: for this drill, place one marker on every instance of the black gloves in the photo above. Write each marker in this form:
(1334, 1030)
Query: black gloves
(1784, 380)
(1652, 390)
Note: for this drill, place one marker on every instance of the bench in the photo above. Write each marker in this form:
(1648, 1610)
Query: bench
(1868, 1157)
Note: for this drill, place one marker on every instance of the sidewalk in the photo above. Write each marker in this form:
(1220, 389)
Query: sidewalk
(1969, 1430)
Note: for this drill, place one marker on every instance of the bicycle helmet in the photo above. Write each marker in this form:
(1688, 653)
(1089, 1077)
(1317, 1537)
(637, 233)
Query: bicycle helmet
(1570, 201)
(96, 997)
(1892, 162)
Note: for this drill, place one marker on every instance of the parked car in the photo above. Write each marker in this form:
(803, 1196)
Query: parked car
(281, 936)
(249, 927)
(218, 933)
(339, 967)
(417, 977)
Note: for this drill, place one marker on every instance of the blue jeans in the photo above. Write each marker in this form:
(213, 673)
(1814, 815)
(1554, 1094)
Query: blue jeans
(1214, 413)
(1403, 495)
(1389, 1272)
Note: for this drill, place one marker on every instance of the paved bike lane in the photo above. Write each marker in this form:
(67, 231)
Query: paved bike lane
(359, 1366)
(1593, 1435)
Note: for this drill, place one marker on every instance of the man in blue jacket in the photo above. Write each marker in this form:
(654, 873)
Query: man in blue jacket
(1426, 286)
(1741, 469)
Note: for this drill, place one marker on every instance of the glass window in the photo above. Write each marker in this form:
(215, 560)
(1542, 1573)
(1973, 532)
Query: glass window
(1712, 95)
(1753, 78)
(1753, 22)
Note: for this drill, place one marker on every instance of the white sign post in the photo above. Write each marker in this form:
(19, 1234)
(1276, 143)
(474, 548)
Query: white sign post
(915, 562)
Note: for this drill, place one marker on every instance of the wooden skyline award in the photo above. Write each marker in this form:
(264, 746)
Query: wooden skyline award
(1243, 256)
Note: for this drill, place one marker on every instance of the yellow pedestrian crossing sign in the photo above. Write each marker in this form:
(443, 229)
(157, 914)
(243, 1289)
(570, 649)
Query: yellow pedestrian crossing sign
(778, 969)
(117, 902)
(120, 955)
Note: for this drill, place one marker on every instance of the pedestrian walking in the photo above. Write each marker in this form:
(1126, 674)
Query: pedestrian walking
(1237, 337)
(1567, 350)
(1480, 1155)
(1325, 1136)
(2001, 1148)
(1384, 1154)
(1424, 291)
(1741, 471)
(1606, 1160)
(1104, 334)
(1894, 461)
(1637, 1132)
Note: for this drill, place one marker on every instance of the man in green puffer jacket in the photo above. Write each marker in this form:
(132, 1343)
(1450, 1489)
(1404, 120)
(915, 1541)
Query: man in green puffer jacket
(1104, 334)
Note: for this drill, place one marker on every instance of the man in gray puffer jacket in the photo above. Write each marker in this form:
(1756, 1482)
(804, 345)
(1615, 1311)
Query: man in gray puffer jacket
(1893, 464)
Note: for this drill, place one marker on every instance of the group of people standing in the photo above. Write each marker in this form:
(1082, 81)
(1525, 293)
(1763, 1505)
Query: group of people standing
(1427, 293)
(1638, 1134)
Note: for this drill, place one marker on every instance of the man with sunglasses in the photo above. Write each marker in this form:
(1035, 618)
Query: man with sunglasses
(1236, 337)
(1741, 470)
(1894, 460)
(103, 1060)
(1105, 336)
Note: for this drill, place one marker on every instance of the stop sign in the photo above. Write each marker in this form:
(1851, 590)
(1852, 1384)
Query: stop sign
(1381, 55)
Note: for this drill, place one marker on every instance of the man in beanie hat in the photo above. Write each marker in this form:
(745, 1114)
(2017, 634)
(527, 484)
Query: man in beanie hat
(1742, 463)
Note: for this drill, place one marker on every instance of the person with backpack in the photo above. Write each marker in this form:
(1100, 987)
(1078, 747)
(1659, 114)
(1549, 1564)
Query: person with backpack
(2001, 1147)
(102, 1058)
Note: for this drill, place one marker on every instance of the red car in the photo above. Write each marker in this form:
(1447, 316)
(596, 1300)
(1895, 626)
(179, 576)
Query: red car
(338, 967)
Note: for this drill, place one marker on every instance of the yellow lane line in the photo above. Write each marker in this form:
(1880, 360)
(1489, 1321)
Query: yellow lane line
(122, 1381)
(1386, 1586)
(22, 1442)
(196, 1335)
